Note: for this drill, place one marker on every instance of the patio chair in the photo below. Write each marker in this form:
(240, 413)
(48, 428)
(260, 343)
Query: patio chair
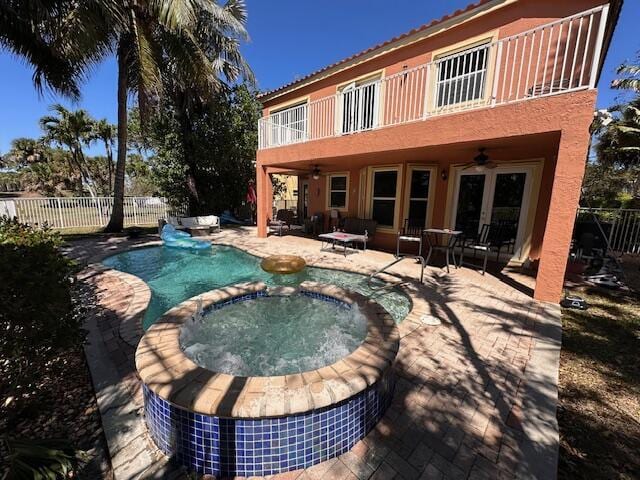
(315, 224)
(492, 237)
(334, 220)
(360, 226)
(411, 232)
(284, 218)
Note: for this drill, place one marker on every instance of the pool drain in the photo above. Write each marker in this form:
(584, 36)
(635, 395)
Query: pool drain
(430, 320)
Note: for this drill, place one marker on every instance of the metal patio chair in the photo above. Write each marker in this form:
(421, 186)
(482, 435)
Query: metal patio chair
(411, 232)
(492, 237)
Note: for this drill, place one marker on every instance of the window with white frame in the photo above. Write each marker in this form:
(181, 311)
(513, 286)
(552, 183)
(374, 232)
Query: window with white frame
(360, 106)
(418, 202)
(462, 77)
(289, 125)
(338, 188)
(384, 198)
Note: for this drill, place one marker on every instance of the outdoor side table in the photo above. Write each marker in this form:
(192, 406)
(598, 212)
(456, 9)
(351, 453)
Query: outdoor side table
(442, 240)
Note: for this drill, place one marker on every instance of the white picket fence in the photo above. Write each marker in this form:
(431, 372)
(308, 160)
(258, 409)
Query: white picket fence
(78, 212)
(622, 226)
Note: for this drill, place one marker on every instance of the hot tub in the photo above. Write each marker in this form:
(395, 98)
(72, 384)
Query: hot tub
(248, 417)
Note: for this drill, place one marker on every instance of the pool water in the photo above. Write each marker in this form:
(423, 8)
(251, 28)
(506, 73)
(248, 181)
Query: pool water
(175, 275)
(274, 336)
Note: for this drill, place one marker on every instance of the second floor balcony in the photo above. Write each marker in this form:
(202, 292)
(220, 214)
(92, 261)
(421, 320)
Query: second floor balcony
(552, 59)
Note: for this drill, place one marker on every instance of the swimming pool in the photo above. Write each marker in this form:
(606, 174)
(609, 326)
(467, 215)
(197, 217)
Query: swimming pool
(174, 275)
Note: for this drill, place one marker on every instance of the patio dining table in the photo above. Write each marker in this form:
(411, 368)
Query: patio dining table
(345, 239)
(443, 240)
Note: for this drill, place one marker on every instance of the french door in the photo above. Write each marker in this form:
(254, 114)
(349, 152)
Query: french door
(498, 197)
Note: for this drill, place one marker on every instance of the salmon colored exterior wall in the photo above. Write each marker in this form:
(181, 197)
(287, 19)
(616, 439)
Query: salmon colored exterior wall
(510, 20)
(552, 131)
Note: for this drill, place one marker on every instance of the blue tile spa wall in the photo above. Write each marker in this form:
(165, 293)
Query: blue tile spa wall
(227, 446)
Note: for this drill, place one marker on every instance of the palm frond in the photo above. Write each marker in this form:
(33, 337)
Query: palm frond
(628, 130)
(143, 65)
(628, 69)
(630, 79)
(175, 15)
(626, 84)
(228, 20)
(21, 25)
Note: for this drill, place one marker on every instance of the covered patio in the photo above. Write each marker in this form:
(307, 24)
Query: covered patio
(476, 395)
(544, 151)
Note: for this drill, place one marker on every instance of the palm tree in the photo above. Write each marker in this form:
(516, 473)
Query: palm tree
(39, 167)
(619, 127)
(62, 38)
(105, 132)
(71, 130)
(193, 44)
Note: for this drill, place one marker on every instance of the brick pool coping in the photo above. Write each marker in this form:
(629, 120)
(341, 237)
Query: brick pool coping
(130, 329)
(168, 372)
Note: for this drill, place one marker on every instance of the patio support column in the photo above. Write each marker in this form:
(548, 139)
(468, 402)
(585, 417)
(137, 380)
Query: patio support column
(264, 192)
(565, 196)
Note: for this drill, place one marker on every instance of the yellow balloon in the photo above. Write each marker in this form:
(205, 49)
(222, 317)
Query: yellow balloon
(283, 264)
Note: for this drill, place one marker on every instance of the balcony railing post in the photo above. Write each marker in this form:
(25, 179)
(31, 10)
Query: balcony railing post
(337, 131)
(427, 90)
(598, 47)
(496, 75)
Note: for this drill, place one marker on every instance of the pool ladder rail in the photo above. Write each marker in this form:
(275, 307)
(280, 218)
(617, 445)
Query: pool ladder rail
(398, 258)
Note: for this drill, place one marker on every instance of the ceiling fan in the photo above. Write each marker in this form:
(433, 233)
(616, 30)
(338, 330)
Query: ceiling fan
(480, 161)
(316, 172)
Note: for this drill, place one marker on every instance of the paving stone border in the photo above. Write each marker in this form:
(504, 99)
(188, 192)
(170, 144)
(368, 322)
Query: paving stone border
(168, 372)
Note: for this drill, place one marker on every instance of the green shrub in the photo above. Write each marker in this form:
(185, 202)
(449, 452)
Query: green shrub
(42, 459)
(38, 316)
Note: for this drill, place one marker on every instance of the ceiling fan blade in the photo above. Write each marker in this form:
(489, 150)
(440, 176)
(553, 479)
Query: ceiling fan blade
(468, 166)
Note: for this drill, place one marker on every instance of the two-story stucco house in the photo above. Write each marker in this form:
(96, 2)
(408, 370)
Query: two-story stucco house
(394, 133)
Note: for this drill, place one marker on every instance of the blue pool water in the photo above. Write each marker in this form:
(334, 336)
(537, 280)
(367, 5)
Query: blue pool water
(174, 275)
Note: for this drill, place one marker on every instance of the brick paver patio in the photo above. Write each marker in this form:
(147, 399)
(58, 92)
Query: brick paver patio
(476, 395)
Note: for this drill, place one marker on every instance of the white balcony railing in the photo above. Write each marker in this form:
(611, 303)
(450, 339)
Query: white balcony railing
(552, 59)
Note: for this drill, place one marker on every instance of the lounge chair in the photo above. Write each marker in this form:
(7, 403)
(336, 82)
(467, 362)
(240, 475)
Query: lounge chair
(203, 223)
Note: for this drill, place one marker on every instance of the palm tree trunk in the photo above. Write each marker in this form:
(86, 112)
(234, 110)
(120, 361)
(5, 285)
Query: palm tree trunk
(117, 214)
(87, 175)
(107, 146)
(193, 196)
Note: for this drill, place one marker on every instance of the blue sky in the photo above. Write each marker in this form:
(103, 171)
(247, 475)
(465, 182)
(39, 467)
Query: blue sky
(286, 41)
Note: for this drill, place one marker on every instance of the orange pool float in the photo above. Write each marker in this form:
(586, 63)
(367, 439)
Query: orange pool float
(283, 264)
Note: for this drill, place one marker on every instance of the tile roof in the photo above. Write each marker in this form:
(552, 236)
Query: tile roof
(402, 36)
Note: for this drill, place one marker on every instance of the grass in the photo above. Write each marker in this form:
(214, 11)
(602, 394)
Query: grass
(599, 387)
